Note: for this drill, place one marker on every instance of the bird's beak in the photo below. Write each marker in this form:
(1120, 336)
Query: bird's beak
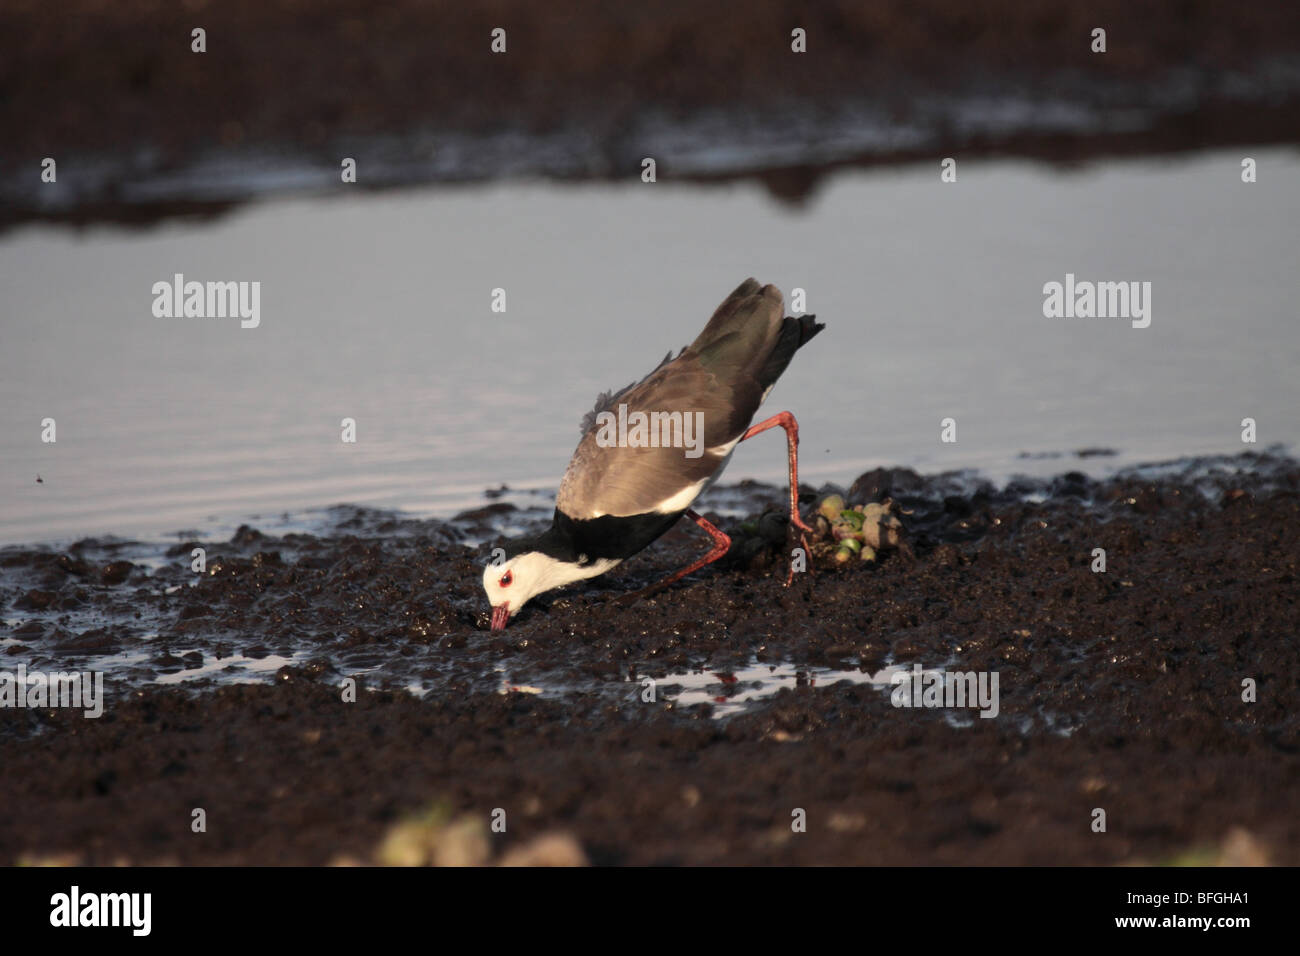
(501, 616)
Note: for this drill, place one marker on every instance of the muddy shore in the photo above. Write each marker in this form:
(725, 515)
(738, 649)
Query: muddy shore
(1119, 690)
(144, 128)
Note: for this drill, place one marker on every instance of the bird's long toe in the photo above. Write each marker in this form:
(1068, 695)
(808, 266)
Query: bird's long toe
(796, 539)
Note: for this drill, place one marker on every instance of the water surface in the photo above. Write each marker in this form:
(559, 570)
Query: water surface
(377, 307)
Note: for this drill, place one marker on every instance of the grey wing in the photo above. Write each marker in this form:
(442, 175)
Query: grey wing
(715, 378)
(609, 479)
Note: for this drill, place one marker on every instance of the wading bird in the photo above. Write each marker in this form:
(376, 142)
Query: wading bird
(627, 486)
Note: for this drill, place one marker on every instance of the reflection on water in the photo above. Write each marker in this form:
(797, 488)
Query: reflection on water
(736, 691)
(377, 308)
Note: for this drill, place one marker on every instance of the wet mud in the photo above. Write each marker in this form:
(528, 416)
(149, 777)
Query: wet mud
(690, 727)
(143, 128)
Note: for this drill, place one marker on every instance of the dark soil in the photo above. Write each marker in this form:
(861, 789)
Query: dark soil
(1119, 690)
(115, 94)
(123, 74)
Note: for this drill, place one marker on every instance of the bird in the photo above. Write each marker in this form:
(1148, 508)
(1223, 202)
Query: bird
(629, 483)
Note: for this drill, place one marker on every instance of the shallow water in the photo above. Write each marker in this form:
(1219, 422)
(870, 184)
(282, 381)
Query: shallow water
(377, 308)
(734, 692)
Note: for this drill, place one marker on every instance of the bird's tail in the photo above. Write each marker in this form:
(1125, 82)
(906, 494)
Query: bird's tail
(795, 334)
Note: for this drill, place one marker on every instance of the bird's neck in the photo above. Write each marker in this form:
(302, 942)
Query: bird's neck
(549, 572)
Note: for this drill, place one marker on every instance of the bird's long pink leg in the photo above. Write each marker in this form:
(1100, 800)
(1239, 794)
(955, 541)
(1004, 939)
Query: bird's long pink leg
(721, 545)
(786, 421)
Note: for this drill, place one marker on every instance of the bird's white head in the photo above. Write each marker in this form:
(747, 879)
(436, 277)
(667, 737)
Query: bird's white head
(509, 585)
(512, 583)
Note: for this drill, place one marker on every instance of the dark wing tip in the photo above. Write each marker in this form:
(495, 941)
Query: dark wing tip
(808, 327)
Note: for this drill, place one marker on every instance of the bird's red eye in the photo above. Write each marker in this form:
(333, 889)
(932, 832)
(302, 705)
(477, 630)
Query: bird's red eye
(507, 579)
